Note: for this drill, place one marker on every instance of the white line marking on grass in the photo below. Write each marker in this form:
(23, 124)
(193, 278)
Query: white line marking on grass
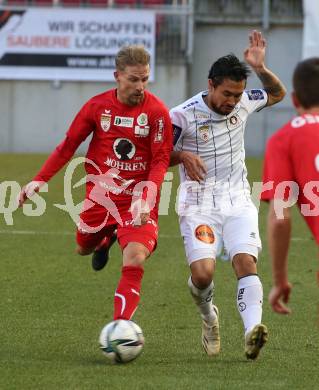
(301, 239)
(62, 233)
(35, 232)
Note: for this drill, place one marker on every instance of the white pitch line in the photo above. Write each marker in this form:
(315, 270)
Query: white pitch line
(301, 239)
(62, 233)
(34, 232)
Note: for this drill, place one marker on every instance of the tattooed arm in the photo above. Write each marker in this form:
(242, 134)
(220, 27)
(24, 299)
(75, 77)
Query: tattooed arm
(255, 56)
(272, 85)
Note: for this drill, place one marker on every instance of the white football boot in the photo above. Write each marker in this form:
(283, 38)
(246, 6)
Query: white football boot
(210, 336)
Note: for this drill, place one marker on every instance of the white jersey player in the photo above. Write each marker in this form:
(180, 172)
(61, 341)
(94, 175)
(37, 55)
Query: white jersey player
(215, 208)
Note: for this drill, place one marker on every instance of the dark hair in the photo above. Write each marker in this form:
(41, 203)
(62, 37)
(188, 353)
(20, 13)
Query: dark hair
(306, 82)
(228, 67)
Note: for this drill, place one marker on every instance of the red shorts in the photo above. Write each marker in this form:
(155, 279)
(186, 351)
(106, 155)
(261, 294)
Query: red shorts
(95, 224)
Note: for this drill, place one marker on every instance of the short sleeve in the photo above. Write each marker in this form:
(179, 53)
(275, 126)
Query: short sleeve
(254, 99)
(179, 123)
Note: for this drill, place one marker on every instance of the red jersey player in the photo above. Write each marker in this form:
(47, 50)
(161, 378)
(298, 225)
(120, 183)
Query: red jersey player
(292, 161)
(126, 162)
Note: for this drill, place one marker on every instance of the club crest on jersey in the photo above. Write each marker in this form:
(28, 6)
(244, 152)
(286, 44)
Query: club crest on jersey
(105, 121)
(142, 119)
(203, 132)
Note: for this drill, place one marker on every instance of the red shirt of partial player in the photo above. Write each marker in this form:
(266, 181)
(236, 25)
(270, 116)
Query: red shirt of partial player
(129, 145)
(292, 154)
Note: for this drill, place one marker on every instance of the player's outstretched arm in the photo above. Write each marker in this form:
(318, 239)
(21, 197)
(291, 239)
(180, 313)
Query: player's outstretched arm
(278, 239)
(79, 130)
(255, 56)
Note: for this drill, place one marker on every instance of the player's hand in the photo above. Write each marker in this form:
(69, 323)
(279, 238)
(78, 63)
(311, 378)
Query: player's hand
(194, 165)
(140, 211)
(29, 190)
(255, 54)
(279, 296)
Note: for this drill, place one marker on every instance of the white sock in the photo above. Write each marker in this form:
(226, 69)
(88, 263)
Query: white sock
(203, 299)
(249, 301)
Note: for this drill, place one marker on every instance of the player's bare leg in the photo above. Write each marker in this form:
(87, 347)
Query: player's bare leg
(201, 286)
(249, 303)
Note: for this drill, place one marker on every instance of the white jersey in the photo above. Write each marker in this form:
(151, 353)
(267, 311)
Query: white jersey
(219, 141)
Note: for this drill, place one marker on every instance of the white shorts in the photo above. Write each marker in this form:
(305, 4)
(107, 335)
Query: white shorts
(205, 235)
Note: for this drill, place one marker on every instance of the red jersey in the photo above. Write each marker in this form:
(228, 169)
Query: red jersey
(292, 154)
(130, 144)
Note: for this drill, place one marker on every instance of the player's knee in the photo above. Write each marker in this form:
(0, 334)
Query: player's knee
(244, 264)
(135, 258)
(202, 279)
(135, 254)
(202, 272)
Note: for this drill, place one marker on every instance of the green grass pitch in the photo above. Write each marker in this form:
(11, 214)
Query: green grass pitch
(53, 307)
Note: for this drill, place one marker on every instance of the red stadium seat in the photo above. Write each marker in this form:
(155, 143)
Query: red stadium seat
(126, 2)
(152, 2)
(46, 3)
(17, 2)
(138, 3)
(71, 3)
(98, 3)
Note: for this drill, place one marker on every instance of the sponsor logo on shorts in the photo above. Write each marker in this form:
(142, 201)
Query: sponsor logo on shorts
(205, 234)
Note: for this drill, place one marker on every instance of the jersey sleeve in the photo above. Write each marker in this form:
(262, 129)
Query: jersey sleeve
(161, 144)
(254, 99)
(81, 127)
(277, 166)
(179, 123)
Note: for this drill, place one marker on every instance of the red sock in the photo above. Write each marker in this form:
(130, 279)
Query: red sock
(127, 294)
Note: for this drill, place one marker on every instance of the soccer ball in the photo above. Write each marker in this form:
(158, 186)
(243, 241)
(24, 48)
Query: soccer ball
(121, 341)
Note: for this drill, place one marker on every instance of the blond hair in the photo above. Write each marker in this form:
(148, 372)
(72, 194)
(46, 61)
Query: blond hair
(131, 56)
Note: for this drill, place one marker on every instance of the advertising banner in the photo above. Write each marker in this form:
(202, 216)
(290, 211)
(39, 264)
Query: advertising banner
(70, 44)
(310, 47)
